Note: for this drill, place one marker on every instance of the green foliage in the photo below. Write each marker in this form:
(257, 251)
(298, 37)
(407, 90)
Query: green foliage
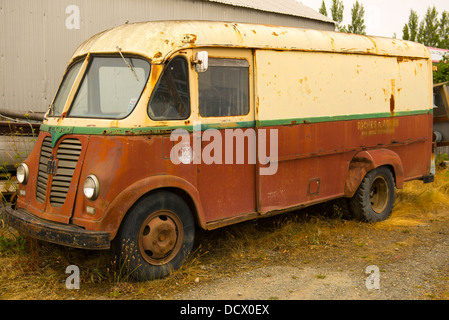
(337, 9)
(323, 9)
(441, 158)
(358, 22)
(430, 31)
(444, 31)
(442, 70)
(428, 28)
(410, 30)
(11, 243)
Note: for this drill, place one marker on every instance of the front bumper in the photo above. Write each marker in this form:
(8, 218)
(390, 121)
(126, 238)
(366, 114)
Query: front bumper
(64, 234)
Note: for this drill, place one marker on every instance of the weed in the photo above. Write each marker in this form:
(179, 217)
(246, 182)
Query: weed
(123, 267)
(11, 243)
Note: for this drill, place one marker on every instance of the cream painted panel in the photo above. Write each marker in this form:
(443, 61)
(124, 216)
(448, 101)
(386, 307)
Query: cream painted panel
(293, 84)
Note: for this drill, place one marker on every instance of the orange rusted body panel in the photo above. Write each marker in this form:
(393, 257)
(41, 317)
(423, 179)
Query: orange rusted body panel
(327, 160)
(315, 164)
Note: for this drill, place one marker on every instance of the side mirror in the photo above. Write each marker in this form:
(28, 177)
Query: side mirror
(201, 61)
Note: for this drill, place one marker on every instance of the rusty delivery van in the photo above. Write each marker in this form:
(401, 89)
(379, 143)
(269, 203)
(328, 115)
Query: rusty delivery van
(159, 128)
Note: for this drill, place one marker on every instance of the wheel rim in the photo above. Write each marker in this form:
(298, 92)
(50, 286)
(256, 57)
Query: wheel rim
(379, 194)
(160, 237)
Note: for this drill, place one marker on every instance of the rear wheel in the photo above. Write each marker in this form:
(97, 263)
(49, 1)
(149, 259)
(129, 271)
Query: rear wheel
(374, 199)
(156, 236)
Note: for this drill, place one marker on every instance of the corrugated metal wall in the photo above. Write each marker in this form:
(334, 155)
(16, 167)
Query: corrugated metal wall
(442, 150)
(35, 43)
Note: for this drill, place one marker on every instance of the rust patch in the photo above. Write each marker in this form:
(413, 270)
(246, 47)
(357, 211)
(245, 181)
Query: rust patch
(275, 34)
(392, 104)
(157, 55)
(392, 99)
(257, 105)
(190, 38)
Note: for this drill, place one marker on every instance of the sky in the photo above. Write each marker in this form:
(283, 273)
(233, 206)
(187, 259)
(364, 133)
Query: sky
(384, 17)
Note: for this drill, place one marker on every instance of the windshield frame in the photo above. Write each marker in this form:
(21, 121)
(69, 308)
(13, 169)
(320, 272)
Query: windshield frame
(69, 69)
(83, 72)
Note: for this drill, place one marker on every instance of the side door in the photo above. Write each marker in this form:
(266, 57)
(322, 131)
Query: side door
(226, 177)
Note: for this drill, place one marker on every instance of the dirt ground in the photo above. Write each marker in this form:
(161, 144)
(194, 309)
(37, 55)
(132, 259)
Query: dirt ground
(412, 265)
(300, 256)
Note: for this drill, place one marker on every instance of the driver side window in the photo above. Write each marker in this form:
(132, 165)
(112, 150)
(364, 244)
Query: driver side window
(171, 97)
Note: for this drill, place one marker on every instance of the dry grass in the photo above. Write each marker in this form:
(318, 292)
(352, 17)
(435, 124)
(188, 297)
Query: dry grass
(35, 270)
(418, 203)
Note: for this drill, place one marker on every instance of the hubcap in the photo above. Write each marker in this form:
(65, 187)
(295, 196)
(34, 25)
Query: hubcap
(379, 194)
(160, 237)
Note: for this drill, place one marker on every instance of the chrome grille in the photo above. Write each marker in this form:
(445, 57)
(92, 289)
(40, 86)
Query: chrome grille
(68, 153)
(42, 176)
(67, 156)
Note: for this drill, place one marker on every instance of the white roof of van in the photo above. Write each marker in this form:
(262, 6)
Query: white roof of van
(158, 40)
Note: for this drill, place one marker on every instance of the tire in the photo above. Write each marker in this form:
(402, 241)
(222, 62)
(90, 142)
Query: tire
(155, 237)
(374, 199)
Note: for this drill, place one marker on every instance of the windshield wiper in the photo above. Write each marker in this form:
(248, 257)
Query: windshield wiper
(127, 63)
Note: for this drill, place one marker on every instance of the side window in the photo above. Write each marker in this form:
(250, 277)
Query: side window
(171, 97)
(224, 88)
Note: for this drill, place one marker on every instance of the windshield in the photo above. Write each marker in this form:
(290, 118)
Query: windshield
(110, 88)
(64, 90)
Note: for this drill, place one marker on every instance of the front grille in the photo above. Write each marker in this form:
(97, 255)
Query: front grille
(42, 176)
(67, 156)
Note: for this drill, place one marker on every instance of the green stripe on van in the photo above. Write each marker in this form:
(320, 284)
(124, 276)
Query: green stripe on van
(58, 131)
(278, 122)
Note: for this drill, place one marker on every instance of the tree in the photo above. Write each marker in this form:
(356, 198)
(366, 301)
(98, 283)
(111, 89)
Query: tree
(443, 30)
(358, 20)
(410, 30)
(337, 14)
(323, 9)
(428, 28)
(405, 32)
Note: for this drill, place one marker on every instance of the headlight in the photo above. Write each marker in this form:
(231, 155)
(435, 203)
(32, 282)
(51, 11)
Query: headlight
(91, 187)
(22, 173)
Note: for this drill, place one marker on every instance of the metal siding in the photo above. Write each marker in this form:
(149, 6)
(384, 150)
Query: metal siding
(36, 45)
(216, 11)
(286, 7)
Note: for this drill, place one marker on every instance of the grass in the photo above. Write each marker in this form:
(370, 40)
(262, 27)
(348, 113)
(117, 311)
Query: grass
(299, 237)
(417, 203)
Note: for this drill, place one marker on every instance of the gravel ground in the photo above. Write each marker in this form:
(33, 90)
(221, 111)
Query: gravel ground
(418, 270)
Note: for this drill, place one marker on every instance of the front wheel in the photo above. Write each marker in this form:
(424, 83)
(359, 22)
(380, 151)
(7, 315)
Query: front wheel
(374, 199)
(156, 236)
